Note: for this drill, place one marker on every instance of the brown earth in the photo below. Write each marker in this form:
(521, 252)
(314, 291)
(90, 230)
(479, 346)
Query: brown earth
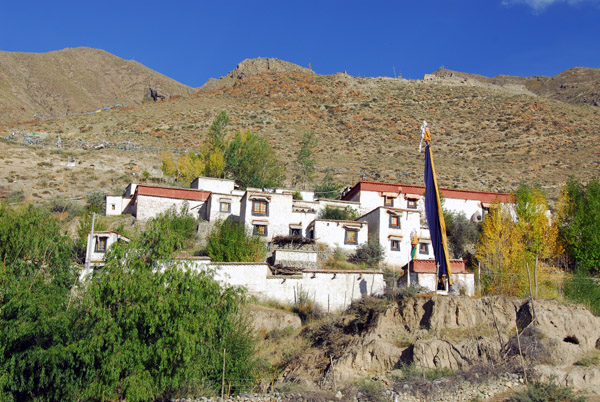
(485, 137)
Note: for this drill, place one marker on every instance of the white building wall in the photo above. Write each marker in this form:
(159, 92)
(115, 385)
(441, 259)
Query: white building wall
(214, 185)
(331, 290)
(148, 207)
(279, 213)
(214, 205)
(301, 256)
(115, 204)
(429, 281)
(468, 207)
(333, 233)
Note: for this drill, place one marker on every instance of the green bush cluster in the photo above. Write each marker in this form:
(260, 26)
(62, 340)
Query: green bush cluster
(230, 242)
(143, 328)
(370, 253)
(581, 288)
(333, 213)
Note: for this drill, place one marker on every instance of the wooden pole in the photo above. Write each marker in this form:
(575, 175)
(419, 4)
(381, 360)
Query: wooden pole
(423, 360)
(479, 277)
(89, 252)
(223, 376)
(535, 271)
(530, 295)
(521, 354)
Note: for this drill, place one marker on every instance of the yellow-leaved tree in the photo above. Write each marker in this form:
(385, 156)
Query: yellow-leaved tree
(539, 235)
(190, 166)
(501, 251)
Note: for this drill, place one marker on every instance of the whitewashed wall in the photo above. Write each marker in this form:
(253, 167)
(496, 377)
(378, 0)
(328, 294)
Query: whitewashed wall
(285, 255)
(429, 281)
(379, 226)
(333, 233)
(213, 185)
(278, 218)
(115, 204)
(331, 290)
(213, 207)
(148, 206)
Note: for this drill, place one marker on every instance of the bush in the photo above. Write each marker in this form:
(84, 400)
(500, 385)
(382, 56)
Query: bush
(581, 288)
(306, 308)
(61, 205)
(168, 232)
(229, 242)
(333, 213)
(540, 392)
(96, 202)
(370, 253)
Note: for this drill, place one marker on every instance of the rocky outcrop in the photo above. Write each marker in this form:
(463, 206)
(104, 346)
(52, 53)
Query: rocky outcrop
(456, 332)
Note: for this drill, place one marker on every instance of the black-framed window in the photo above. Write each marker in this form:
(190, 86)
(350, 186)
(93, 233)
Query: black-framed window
(388, 201)
(423, 248)
(261, 230)
(101, 243)
(224, 206)
(395, 245)
(260, 207)
(395, 221)
(351, 236)
(296, 232)
(411, 204)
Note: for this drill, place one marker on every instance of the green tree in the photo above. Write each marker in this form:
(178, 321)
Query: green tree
(36, 276)
(216, 132)
(578, 218)
(230, 242)
(462, 234)
(328, 188)
(168, 232)
(251, 162)
(306, 159)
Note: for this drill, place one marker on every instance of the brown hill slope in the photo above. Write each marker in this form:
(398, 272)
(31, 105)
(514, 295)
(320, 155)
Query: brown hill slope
(74, 81)
(485, 137)
(577, 86)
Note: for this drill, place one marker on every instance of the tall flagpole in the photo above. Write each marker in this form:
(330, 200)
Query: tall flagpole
(433, 210)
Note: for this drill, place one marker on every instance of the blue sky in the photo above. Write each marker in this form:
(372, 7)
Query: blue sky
(191, 41)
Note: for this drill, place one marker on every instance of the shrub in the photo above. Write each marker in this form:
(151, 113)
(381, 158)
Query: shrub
(540, 392)
(230, 242)
(333, 213)
(168, 232)
(581, 288)
(370, 253)
(96, 202)
(306, 308)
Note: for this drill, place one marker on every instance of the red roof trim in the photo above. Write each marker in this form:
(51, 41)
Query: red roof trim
(177, 193)
(484, 196)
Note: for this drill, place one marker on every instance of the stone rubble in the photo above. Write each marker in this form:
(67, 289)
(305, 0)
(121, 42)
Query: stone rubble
(462, 392)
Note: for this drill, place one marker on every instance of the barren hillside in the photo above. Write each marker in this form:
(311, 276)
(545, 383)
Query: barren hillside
(74, 81)
(485, 137)
(577, 85)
